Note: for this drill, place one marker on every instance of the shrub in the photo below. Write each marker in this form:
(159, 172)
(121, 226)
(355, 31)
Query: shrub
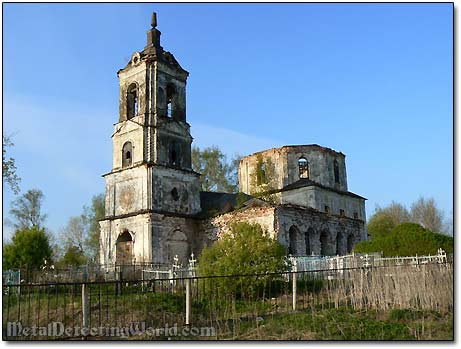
(407, 239)
(245, 250)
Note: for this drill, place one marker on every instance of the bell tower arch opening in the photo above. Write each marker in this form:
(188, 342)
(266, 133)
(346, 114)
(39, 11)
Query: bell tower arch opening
(303, 167)
(127, 154)
(170, 99)
(132, 101)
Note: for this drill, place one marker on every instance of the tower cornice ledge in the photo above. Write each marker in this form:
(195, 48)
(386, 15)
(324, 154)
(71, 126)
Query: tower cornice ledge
(152, 164)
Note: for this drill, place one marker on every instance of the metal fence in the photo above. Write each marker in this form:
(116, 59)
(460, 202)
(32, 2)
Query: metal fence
(222, 302)
(151, 271)
(362, 260)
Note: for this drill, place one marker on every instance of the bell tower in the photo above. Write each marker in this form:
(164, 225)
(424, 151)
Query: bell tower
(151, 162)
(153, 95)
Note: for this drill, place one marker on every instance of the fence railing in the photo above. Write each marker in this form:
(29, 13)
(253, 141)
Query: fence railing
(220, 301)
(48, 273)
(149, 271)
(305, 263)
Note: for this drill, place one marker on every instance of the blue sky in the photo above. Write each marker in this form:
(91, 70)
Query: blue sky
(371, 80)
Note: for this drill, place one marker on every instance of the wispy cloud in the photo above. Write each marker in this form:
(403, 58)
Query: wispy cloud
(60, 149)
(63, 150)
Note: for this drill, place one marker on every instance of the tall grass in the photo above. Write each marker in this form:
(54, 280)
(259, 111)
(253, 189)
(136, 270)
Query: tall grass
(428, 287)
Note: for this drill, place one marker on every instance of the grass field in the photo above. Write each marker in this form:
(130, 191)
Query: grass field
(345, 324)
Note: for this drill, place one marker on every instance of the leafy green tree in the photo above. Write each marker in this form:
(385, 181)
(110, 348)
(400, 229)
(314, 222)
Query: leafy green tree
(9, 166)
(26, 210)
(380, 224)
(28, 249)
(407, 239)
(245, 250)
(73, 256)
(217, 172)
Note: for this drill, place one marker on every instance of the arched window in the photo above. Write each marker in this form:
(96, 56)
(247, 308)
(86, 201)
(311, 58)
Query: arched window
(261, 174)
(303, 166)
(173, 156)
(132, 101)
(175, 194)
(127, 154)
(170, 99)
(336, 171)
(293, 236)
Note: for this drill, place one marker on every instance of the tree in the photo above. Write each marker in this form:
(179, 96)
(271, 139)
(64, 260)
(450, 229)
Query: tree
(93, 215)
(380, 224)
(407, 239)
(423, 211)
(28, 249)
(217, 173)
(82, 232)
(73, 256)
(9, 167)
(245, 250)
(75, 233)
(26, 210)
(449, 224)
(426, 213)
(387, 218)
(263, 180)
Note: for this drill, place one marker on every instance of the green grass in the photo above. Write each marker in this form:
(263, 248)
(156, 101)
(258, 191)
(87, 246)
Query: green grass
(346, 324)
(247, 319)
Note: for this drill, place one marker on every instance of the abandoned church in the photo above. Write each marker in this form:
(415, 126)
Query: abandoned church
(154, 209)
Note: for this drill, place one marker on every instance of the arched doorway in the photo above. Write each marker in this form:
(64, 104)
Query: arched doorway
(307, 241)
(293, 237)
(177, 245)
(340, 244)
(324, 248)
(350, 243)
(124, 248)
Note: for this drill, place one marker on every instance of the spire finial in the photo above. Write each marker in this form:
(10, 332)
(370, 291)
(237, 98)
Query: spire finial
(154, 20)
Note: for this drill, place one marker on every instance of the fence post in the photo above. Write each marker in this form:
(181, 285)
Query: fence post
(84, 306)
(188, 301)
(293, 278)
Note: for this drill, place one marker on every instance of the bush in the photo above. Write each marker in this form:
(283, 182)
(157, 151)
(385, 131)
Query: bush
(28, 249)
(246, 250)
(407, 239)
